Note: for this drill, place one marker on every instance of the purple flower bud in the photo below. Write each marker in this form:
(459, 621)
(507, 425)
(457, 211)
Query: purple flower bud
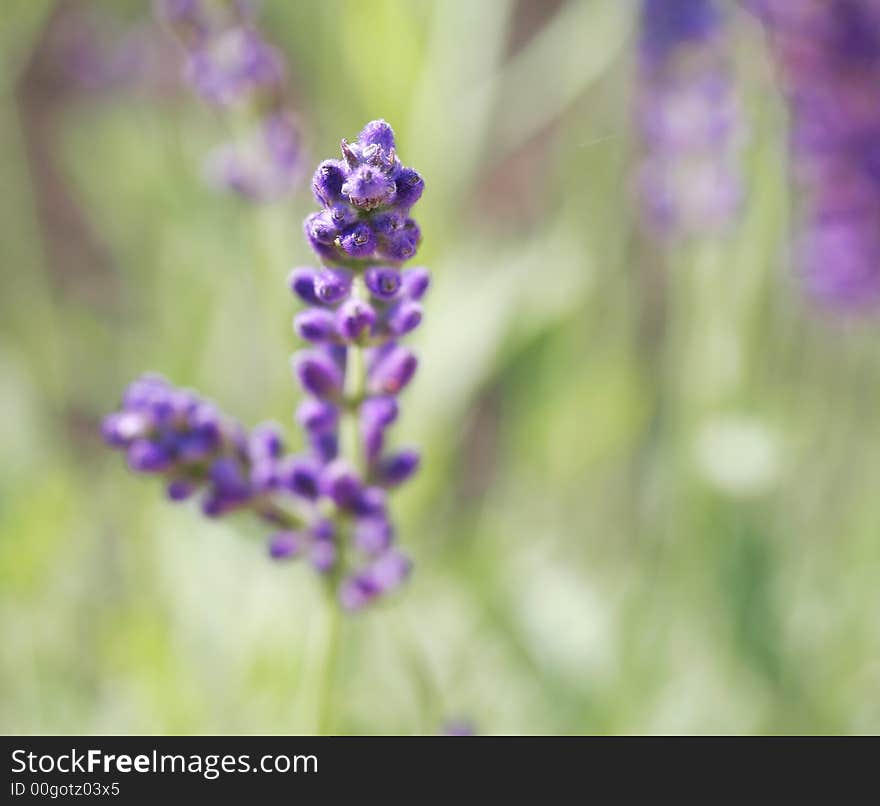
(300, 475)
(397, 468)
(388, 222)
(214, 505)
(339, 481)
(265, 477)
(354, 319)
(409, 187)
(180, 489)
(315, 325)
(266, 442)
(181, 402)
(357, 591)
(377, 413)
(415, 282)
(384, 575)
(319, 228)
(358, 240)
(318, 373)
(333, 285)
(197, 445)
(377, 132)
(373, 534)
(342, 215)
(327, 181)
(382, 410)
(326, 251)
(121, 428)
(317, 416)
(404, 243)
(137, 393)
(301, 281)
(404, 318)
(324, 446)
(382, 281)
(148, 457)
(285, 545)
(373, 501)
(368, 187)
(392, 371)
(390, 570)
(206, 418)
(228, 480)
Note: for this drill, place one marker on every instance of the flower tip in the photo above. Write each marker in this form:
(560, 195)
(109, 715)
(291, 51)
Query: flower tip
(340, 482)
(397, 468)
(383, 282)
(415, 282)
(180, 489)
(317, 372)
(355, 318)
(284, 545)
(377, 132)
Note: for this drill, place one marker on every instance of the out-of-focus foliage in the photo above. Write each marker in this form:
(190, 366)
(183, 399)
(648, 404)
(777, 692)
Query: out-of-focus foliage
(649, 496)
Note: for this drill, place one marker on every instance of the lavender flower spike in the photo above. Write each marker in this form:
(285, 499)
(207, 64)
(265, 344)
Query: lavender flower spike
(330, 505)
(828, 55)
(686, 110)
(362, 235)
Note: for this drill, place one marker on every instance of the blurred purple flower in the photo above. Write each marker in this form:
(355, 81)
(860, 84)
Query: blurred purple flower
(229, 63)
(828, 56)
(233, 65)
(688, 181)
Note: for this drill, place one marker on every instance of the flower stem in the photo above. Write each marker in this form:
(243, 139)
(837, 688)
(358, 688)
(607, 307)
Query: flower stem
(315, 691)
(355, 382)
(327, 675)
(352, 449)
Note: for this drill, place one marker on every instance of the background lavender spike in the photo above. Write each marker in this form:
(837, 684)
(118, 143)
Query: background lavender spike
(229, 63)
(688, 181)
(828, 56)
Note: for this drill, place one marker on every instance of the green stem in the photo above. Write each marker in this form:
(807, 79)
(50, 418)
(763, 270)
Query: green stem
(327, 671)
(355, 382)
(316, 686)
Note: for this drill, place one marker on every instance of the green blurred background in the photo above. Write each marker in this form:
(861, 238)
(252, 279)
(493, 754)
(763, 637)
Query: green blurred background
(651, 489)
